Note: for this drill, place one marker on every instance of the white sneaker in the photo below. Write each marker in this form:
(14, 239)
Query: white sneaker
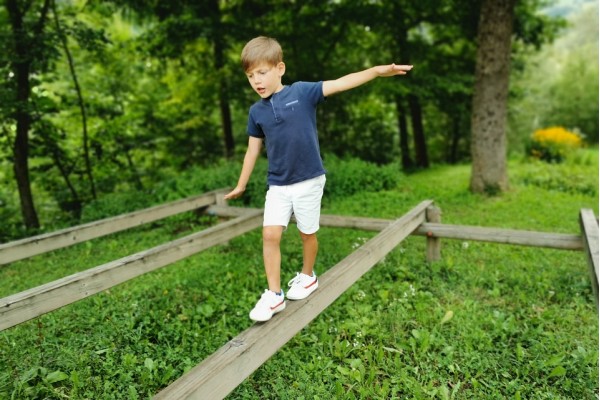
(270, 303)
(302, 286)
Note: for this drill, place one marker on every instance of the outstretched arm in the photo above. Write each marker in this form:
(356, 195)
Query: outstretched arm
(254, 148)
(358, 78)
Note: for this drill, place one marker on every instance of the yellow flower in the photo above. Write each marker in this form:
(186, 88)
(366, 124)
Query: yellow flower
(552, 144)
(557, 135)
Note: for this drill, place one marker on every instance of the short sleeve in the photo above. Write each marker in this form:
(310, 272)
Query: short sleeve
(313, 91)
(253, 128)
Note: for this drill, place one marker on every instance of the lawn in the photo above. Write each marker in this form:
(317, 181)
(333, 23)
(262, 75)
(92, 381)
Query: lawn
(486, 321)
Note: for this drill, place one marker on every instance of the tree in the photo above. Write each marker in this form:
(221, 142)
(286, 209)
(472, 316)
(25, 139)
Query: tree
(27, 22)
(568, 93)
(81, 103)
(180, 24)
(488, 120)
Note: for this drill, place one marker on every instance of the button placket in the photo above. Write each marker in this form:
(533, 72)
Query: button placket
(274, 108)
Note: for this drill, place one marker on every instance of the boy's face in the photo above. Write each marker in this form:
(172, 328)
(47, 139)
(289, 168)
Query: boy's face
(265, 78)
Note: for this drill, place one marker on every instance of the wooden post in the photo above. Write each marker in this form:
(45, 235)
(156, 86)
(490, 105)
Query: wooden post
(221, 202)
(589, 233)
(434, 215)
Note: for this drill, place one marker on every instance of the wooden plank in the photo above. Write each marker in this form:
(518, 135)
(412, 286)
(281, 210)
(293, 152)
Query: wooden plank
(339, 221)
(503, 236)
(589, 230)
(29, 247)
(434, 230)
(34, 302)
(225, 369)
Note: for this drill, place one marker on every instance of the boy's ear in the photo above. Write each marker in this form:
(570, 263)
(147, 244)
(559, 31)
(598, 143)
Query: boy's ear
(280, 68)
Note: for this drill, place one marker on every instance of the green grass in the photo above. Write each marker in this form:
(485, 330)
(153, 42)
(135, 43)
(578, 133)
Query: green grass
(487, 321)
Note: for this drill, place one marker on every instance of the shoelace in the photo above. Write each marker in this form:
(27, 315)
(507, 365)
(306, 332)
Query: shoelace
(265, 297)
(294, 280)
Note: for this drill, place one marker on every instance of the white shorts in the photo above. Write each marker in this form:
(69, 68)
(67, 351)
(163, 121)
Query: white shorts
(302, 198)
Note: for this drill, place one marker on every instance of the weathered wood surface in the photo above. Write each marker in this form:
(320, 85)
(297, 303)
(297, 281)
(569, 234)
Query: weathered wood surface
(225, 369)
(34, 302)
(434, 244)
(506, 236)
(29, 247)
(589, 231)
(563, 241)
(339, 221)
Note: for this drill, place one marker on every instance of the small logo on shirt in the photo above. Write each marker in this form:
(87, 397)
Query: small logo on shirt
(291, 103)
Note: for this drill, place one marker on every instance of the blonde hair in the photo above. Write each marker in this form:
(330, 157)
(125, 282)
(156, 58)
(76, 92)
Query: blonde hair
(261, 49)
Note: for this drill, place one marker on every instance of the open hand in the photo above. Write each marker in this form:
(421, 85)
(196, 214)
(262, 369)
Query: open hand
(392, 70)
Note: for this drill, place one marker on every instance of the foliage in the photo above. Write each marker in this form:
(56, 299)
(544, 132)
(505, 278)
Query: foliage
(157, 80)
(572, 176)
(487, 321)
(346, 178)
(559, 85)
(553, 144)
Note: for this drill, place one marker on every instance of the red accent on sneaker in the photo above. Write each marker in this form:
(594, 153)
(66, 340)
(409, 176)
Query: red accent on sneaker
(277, 305)
(315, 281)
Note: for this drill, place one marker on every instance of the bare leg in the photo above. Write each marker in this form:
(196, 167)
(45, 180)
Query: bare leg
(310, 248)
(272, 256)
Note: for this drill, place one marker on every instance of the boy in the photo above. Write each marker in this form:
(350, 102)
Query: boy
(285, 118)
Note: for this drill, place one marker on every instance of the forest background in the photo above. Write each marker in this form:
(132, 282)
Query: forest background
(124, 94)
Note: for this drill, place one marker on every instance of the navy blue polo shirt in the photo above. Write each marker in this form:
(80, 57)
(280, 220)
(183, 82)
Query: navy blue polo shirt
(287, 121)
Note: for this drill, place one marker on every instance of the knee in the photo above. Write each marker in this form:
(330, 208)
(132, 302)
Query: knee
(308, 237)
(271, 236)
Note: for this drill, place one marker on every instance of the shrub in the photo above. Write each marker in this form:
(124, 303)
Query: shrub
(553, 144)
(344, 178)
(347, 177)
(566, 177)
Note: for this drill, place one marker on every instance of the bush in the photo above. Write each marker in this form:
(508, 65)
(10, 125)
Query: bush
(347, 177)
(572, 176)
(344, 178)
(553, 144)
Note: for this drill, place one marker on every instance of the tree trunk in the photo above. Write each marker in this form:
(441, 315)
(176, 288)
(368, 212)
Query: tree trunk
(86, 151)
(416, 117)
(21, 153)
(21, 66)
(74, 205)
(403, 132)
(133, 170)
(488, 118)
(219, 58)
(452, 156)
(402, 52)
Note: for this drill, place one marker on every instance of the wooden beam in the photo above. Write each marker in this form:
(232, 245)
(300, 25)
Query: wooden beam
(34, 302)
(434, 230)
(589, 233)
(339, 221)
(29, 247)
(225, 369)
(503, 236)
